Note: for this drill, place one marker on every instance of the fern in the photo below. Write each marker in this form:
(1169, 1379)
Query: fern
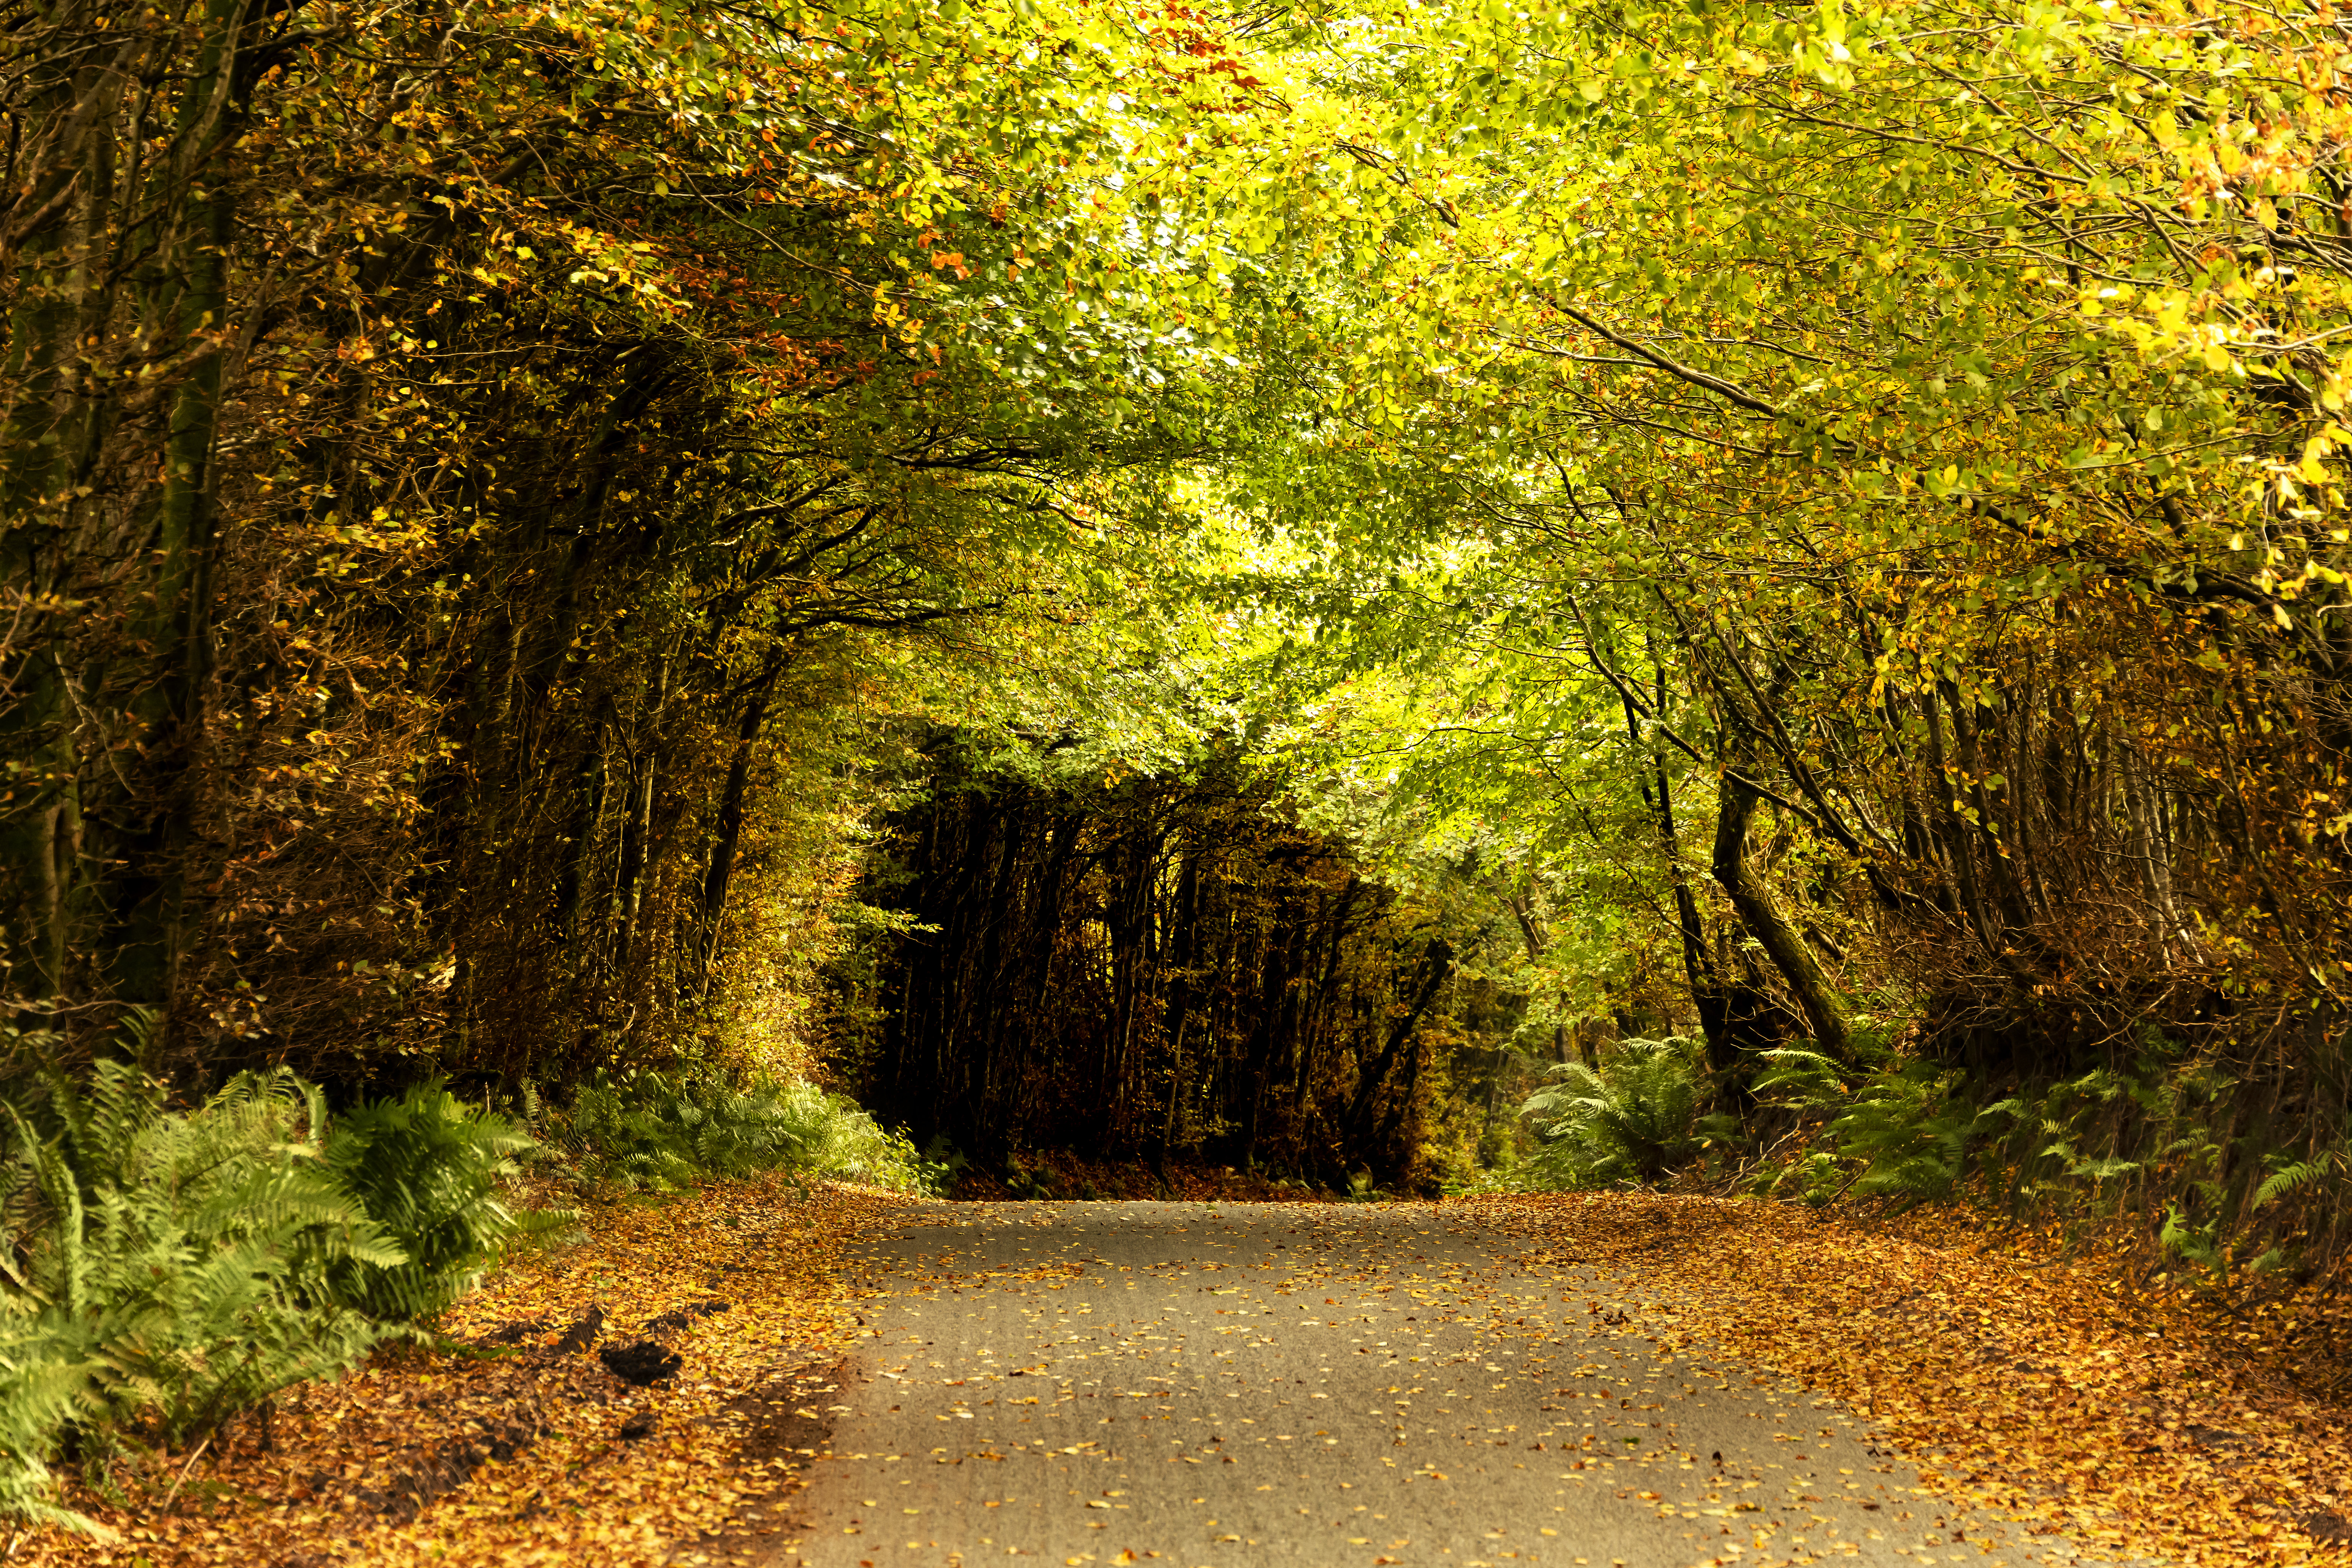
(1625, 1125)
(1909, 1131)
(2197, 1243)
(43, 1375)
(2295, 1177)
(427, 1169)
(660, 1132)
(837, 1138)
(168, 1267)
(192, 1249)
(161, 1270)
(1803, 1079)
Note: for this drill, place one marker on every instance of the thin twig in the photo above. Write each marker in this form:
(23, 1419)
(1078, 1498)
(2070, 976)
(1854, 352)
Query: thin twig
(184, 1469)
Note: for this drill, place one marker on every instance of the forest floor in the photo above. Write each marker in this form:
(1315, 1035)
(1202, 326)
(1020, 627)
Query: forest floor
(2042, 1411)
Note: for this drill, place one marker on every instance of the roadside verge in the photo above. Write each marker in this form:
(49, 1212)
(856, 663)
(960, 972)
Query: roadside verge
(646, 1395)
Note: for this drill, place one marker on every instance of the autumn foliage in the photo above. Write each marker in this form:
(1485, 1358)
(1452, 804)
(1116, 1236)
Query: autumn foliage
(1160, 584)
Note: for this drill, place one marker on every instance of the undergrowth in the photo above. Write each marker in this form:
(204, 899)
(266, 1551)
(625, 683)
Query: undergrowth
(649, 1131)
(162, 1270)
(1628, 1123)
(2167, 1158)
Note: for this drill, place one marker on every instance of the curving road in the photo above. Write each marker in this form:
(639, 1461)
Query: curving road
(1215, 1385)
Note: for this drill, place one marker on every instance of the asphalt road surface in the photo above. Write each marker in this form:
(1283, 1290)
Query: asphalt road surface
(1213, 1386)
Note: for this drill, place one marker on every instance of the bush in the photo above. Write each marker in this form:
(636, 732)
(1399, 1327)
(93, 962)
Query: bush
(42, 1376)
(1914, 1131)
(840, 1141)
(1626, 1125)
(161, 1270)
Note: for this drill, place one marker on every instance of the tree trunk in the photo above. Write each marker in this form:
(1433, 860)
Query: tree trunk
(1436, 964)
(146, 877)
(1710, 997)
(727, 830)
(1824, 1013)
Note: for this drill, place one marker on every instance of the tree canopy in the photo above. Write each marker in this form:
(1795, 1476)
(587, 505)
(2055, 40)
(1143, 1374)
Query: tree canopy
(1413, 541)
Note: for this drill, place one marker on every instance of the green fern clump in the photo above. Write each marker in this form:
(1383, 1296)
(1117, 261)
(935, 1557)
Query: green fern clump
(190, 1251)
(1801, 1078)
(1909, 1129)
(839, 1140)
(1812, 1179)
(167, 1269)
(1909, 1126)
(1914, 1131)
(728, 1131)
(1625, 1125)
(427, 1168)
(2289, 1177)
(659, 1131)
(44, 1378)
(162, 1270)
(618, 1134)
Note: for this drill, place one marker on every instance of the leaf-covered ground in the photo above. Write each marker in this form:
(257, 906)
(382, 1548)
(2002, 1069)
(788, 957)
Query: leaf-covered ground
(1056, 1173)
(2040, 1391)
(546, 1456)
(2133, 1422)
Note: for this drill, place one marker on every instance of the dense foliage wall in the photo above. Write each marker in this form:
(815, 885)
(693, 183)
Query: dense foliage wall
(460, 473)
(1877, 474)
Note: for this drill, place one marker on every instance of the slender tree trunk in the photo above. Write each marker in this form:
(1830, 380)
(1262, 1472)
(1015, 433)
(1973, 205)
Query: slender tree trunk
(1335, 939)
(1436, 964)
(1531, 938)
(146, 884)
(727, 832)
(1710, 998)
(48, 427)
(1824, 1013)
(1712, 995)
(1184, 955)
(587, 816)
(1960, 845)
(628, 882)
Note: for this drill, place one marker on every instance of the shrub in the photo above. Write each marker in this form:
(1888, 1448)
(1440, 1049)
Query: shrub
(1909, 1127)
(43, 1377)
(1913, 1129)
(841, 1141)
(1627, 1124)
(164, 1269)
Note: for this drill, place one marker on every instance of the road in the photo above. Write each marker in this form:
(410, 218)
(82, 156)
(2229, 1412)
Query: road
(1218, 1385)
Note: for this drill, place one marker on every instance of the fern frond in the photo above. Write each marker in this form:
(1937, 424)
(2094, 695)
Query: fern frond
(2294, 1178)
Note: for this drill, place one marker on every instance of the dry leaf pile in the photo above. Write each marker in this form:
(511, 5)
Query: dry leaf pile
(527, 1443)
(2138, 1425)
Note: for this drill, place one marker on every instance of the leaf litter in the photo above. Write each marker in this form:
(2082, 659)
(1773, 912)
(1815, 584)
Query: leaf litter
(647, 1394)
(2138, 1426)
(2141, 1425)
